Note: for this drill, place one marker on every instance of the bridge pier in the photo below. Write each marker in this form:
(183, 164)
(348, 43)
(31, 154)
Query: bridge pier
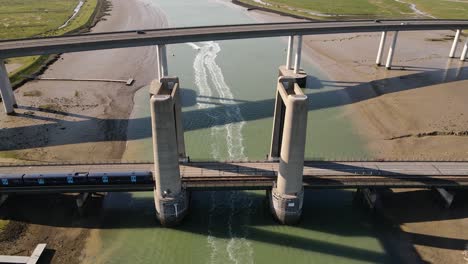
(447, 196)
(163, 70)
(297, 60)
(296, 71)
(290, 52)
(3, 198)
(383, 38)
(465, 51)
(289, 135)
(171, 200)
(391, 51)
(81, 200)
(455, 43)
(369, 196)
(6, 91)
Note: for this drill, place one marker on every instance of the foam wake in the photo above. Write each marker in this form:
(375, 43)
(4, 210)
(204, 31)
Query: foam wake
(227, 126)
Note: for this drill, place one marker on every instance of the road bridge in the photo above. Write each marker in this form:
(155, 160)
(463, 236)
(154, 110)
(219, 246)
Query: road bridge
(163, 37)
(171, 177)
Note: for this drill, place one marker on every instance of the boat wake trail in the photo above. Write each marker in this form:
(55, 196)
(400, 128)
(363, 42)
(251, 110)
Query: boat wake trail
(239, 248)
(227, 123)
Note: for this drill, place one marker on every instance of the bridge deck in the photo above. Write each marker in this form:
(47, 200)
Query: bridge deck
(261, 175)
(136, 38)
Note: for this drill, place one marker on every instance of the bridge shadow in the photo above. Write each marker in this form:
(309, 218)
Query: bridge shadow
(330, 219)
(102, 130)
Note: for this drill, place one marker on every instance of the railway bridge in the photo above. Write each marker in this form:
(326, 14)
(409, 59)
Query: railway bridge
(171, 176)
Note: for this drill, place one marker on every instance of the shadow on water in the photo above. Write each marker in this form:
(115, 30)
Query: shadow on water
(26, 137)
(329, 212)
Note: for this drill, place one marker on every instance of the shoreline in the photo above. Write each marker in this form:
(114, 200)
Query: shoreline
(251, 7)
(41, 64)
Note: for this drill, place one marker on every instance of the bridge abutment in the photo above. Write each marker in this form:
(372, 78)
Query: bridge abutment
(289, 135)
(6, 91)
(171, 200)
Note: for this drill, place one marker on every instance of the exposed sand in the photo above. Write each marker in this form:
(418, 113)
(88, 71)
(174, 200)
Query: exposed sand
(76, 119)
(425, 93)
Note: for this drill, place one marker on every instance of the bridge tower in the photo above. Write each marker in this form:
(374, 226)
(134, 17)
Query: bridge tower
(288, 145)
(170, 198)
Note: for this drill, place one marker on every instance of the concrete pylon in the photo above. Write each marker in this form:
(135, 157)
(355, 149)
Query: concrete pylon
(170, 198)
(455, 43)
(6, 91)
(391, 51)
(287, 195)
(383, 38)
(161, 53)
(464, 53)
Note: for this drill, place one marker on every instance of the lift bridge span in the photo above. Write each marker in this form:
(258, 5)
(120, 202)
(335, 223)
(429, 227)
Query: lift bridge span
(206, 176)
(284, 175)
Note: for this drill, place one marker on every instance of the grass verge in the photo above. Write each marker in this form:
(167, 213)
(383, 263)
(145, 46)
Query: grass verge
(362, 9)
(43, 18)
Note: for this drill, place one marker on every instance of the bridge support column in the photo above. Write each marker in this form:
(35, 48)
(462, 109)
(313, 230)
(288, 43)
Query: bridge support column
(455, 43)
(369, 196)
(447, 196)
(297, 62)
(465, 51)
(6, 91)
(290, 53)
(287, 195)
(162, 61)
(391, 51)
(3, 198)
(81, 200)
(383, 38)
(171, 199)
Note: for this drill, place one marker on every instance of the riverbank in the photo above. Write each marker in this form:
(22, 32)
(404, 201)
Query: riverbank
(20, 69)
(344, 10)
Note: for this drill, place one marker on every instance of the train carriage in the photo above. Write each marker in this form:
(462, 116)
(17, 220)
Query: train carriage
(38, 179)
(132, 177)
(11, 180)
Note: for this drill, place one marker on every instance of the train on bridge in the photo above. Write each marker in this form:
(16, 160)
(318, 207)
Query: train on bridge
(77, 178)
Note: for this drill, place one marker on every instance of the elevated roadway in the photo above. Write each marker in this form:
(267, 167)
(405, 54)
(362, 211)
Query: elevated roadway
(136, 38)
(254, 175)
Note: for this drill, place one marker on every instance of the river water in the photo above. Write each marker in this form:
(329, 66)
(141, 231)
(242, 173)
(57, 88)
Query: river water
(228, 101)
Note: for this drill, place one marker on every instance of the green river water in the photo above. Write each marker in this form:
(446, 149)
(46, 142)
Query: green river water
(228, 100)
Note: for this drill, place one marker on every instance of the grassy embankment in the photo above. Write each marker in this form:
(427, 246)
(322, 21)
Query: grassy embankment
(346, 9)
(30, 18)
